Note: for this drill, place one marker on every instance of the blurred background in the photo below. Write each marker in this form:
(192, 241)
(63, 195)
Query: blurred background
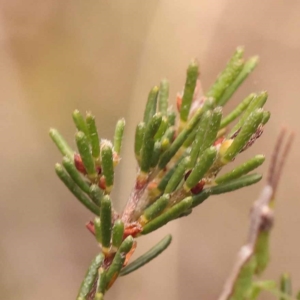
(104, 56)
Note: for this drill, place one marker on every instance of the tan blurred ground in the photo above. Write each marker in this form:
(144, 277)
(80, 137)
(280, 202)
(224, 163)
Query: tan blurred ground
(104, 56)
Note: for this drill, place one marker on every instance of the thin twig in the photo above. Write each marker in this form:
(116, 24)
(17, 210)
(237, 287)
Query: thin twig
(261, 216)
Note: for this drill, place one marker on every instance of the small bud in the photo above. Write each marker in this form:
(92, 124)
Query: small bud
(102, 183)
(79, 164)
(178, 101)
(197, 189)
(133, 229)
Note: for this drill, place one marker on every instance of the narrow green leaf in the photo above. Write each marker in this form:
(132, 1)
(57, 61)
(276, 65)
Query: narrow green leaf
(266, 117)
(258, 102)
(98, 230)
(93, 134)
(96, 194)
(171, 117)
(107, 164)
(178, 175)
(190, 84)
(167, 139)
(237, 111)
(171, 214)
(61, 144)
(199, 139)
(164, 181)
(285, 285)
(75, 190)
(244, 281)
(75, 175)
(148, 142)
(260, 286)
(150, 109)
(155, 154)
(101, 284)
(148, 256)
(249, 128)
(202, 166)
(227, 76)
(80, 123)
(117, 233)
(235, 184)
(118, 261)
(163, 96)
(262, 251)
(86, 155)
(139, 137)
(90, 277)
(248, 67)
(200, 198)
(242, 169)
(171, 151)
(162, 128)
(186, 213)
(208, 105)
(105, 217)
(238, 54)
(190, 139)
(119, 131)
(271, 287)
(212, 130)
(155, 209)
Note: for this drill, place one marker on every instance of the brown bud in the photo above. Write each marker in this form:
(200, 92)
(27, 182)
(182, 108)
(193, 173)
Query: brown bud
(132, 229)
(187, 174)
(152, 185)
(79, 164)
(219, 141)
(102, 183)
(90, 227)
(197, 189)
(179, 101)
